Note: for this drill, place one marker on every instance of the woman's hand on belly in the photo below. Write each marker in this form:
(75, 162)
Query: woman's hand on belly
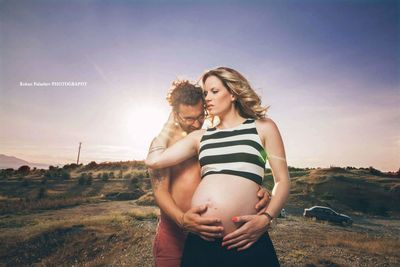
(226, 196)
(207, 228)
(254, 226)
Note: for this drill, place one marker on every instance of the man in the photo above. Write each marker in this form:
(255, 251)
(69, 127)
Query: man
(174, 187)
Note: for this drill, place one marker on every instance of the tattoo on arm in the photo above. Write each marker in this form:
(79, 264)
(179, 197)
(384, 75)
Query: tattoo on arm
(157, 176)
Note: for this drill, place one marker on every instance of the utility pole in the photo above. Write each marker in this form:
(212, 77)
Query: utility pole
(79, 152)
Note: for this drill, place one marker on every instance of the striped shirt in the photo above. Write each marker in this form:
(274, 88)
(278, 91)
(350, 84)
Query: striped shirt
(236, 151)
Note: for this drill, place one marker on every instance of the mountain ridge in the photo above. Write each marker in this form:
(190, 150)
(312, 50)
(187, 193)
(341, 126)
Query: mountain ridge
(14, 162)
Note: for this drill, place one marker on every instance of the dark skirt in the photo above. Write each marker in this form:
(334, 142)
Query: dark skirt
(200, 253)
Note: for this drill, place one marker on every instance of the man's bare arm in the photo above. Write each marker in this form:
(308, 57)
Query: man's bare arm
(160, 181)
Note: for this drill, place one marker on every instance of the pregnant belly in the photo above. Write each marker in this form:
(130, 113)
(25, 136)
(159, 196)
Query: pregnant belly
(226, 196)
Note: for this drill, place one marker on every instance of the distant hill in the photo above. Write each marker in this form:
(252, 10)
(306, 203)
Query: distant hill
(357, 190)
(348, 190)
(15, 163)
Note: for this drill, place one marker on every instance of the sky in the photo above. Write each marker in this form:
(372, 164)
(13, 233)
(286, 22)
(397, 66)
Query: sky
(328, 70)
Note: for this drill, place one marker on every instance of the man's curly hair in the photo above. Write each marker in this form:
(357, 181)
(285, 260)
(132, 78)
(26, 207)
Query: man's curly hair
(184, 92)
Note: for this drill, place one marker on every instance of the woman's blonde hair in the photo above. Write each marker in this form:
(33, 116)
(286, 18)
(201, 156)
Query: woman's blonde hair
(248, 103)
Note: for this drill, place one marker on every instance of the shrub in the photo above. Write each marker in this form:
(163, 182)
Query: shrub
(92, 165)
(5, 173)
(71, 166)
(52, 168)
(42, 193)
(111, 174)
(140, 174)
(65, 175)
(82, 179)
(335, 168)
(350, 168)
(104, 177)
(120, 174)
(48, 175)
(89, 180)
(290, 168)
(24, 170)
(134, 181)
(374, 171)
(128, 176)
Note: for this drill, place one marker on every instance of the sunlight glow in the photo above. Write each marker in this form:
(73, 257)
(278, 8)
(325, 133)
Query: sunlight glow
(142, 122)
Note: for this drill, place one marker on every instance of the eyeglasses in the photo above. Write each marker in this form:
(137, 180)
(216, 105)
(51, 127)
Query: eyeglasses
(191, 120)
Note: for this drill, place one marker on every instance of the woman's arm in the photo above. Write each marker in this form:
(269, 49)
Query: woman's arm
(275, 149)
(256, 225)
(161, 157)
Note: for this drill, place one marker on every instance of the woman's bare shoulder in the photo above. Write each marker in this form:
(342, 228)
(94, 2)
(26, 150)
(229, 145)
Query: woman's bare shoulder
(266, 123)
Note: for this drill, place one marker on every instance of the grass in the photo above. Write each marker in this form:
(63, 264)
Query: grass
(142, 215)
(121, 233)
(112, 236)
(26, 206)
(364, 242)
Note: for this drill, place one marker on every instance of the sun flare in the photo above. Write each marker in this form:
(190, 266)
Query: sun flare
(142, 122)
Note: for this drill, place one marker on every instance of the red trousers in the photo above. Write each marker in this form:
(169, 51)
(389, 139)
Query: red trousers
(168, 243)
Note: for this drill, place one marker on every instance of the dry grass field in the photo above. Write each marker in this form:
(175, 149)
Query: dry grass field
(48, 220)
(120, 233)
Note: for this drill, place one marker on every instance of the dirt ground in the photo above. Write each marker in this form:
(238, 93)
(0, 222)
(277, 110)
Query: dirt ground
(120, 233)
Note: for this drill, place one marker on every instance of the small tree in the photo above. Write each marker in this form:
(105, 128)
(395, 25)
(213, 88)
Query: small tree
(42, 193)
(65, 175)
(374, 171)
(82, 179)
(70, 166)
(105, 176)
(48, 175)
(52, 168)
(24, 170)
(92, 165)
(134, 181)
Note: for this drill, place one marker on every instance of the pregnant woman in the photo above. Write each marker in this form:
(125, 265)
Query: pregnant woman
(232, 157)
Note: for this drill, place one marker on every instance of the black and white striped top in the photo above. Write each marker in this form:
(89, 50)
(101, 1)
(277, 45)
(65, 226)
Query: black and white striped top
(236, 151)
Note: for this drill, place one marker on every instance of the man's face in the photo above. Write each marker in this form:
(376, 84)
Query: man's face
(190, 118)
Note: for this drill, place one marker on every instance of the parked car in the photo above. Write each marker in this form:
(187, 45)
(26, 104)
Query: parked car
(327, 214)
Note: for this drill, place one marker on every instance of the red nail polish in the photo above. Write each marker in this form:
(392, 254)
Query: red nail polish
(234, 219)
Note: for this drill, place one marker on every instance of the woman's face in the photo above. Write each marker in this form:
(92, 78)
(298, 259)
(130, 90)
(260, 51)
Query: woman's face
(218, 99)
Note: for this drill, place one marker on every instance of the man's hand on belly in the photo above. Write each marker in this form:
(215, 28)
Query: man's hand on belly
(264, 197)
(206, 228)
